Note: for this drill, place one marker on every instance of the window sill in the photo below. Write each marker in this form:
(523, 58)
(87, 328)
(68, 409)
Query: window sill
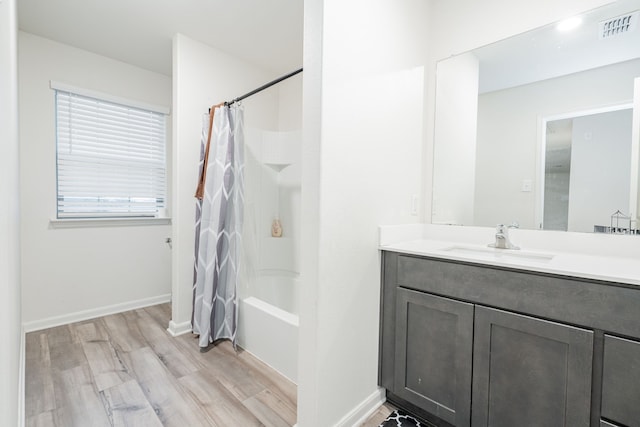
(106, 222)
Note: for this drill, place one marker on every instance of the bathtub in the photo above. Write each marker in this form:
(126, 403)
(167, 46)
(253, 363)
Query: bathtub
(269, 333)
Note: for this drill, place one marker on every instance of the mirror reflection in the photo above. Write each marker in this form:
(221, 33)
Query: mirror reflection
(518, 134)
(586, 179)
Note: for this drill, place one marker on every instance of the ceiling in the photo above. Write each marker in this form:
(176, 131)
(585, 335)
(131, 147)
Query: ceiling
(139, 32)
(546, 52)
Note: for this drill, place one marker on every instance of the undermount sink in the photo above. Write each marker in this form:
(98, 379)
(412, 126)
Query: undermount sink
(499, 254)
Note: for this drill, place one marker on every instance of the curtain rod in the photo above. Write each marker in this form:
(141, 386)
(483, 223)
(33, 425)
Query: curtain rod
(263, 87)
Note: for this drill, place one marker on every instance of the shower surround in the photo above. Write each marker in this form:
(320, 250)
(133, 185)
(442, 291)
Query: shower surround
(268, 318)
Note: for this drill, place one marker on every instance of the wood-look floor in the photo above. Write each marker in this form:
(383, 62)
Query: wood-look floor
(126, 370)
(379, 415)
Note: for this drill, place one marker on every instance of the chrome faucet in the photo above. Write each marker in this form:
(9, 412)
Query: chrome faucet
(502, 237)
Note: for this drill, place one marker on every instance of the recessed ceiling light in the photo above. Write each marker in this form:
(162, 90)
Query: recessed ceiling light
(569, 24)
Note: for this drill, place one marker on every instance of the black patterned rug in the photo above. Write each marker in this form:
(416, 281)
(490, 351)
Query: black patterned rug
(401, 419)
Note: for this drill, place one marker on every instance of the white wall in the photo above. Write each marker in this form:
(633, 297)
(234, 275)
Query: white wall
(509, 132)
(202, 77)
(454, 173)
(308, 376)
(290, 103)
(79, 271)
(363, 122)
(10, 318)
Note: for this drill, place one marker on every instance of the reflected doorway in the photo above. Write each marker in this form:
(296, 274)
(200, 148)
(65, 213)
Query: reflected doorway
(587, 168)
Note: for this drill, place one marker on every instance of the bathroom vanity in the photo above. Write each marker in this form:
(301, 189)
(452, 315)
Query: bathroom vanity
(548, 335)
(472, 337)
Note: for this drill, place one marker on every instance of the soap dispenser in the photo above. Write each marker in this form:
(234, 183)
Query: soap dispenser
(276, 228)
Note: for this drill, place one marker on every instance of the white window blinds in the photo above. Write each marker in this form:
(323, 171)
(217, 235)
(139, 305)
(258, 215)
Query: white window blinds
(110, 158)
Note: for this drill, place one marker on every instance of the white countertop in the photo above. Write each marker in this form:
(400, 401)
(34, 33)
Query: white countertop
(428, 241)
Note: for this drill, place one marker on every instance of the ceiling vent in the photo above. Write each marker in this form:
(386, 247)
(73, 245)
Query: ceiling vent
(618, 25)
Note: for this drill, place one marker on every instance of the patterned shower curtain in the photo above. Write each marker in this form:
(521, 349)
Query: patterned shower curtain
(219, 215)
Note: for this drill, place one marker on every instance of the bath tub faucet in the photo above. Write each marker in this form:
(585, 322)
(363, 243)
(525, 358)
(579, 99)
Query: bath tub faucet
(502, 237)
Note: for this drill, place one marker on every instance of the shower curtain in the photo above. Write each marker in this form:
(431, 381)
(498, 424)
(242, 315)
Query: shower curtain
(219, 215)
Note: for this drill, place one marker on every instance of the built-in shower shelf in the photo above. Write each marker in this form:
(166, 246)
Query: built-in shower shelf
(277, 166)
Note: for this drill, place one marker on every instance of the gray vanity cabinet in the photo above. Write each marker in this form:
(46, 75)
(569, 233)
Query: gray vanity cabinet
(464, 344)
(621, 382)
(530, 372)
(433, 353)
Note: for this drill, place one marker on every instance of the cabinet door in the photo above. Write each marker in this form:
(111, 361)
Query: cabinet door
(434, 340)
(530, 372)
(621, 381)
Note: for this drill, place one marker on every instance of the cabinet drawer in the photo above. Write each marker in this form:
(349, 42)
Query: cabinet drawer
(621, 381)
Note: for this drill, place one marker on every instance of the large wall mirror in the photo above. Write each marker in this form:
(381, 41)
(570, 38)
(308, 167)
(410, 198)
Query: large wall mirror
(541, 129)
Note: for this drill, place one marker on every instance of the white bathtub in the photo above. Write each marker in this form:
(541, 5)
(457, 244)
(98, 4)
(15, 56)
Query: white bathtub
(271, 334)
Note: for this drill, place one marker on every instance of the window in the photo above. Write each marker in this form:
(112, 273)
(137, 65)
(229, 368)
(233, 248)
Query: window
(110, 158)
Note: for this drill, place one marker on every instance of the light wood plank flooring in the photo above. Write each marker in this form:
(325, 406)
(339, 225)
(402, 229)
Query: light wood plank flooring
(379, 415)
(126, 370)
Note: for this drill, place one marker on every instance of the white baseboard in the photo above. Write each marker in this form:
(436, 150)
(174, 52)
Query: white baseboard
(360, 413)
(176, 329)
(79, 316)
